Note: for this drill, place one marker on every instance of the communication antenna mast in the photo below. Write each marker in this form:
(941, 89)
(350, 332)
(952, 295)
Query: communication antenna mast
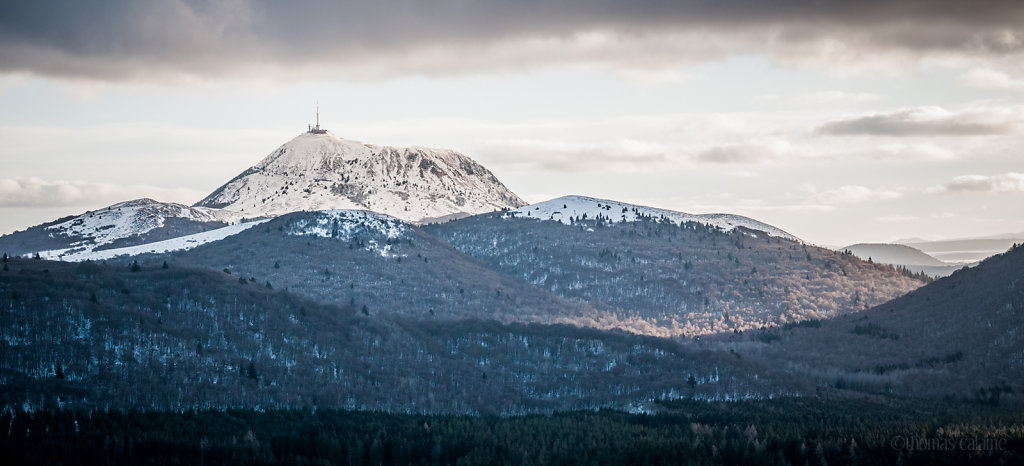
(316, 129)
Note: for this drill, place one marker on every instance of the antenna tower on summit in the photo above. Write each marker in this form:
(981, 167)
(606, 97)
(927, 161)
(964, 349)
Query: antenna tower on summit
(316, 129)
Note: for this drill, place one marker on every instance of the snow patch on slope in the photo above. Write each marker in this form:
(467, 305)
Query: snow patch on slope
(367, 228)
(564, 208)
(182, 243)
(344, 224)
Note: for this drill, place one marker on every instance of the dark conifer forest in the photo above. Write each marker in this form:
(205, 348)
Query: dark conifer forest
(817, 431)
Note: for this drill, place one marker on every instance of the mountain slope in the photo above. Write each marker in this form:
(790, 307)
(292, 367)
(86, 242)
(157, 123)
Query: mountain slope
(361, 258)
(666, 278)
(98, 336)
(120, 225)
(320, 171)
(959, 336)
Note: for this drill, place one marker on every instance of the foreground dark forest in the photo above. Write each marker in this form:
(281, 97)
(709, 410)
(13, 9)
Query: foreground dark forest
(816, 430)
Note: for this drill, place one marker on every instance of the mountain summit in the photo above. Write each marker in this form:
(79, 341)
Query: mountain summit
(318, 170)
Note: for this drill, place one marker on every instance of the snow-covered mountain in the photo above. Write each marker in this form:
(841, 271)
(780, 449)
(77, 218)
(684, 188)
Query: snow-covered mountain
(122, 225)
(320, 171)
(569, 208)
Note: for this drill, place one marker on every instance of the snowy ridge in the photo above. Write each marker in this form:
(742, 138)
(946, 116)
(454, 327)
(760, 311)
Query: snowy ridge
(132, 218)
(315, 172)
(182, 243)
(563, 208)
(367, 228)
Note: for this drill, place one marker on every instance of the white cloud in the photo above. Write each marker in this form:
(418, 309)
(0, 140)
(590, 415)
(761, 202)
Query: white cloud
(10, 81)
(835, 97)
(852, 194)
(36, 192)
(897, 218)
(989, 78)
(652, 76)
(792, 208)
(913, 152)
(749, 207)
(1006, 182)
(743, 174)
(623, 154)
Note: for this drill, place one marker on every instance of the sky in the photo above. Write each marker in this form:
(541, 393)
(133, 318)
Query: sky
(838, 121)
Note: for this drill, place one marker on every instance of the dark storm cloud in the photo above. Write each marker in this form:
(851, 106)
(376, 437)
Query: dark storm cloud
(928, 121)
(124, 38)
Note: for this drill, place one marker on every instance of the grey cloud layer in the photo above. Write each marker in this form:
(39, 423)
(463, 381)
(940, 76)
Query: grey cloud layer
(926, 122)
(754, 151)
(115, 39)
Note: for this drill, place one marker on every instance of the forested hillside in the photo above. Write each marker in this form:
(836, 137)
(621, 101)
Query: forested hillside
(167, 335)
(106, 335)
(378, 265)
(668, 279)
(959, 337)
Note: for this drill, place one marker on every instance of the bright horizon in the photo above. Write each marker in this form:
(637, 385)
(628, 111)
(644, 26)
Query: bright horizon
(842, 123)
